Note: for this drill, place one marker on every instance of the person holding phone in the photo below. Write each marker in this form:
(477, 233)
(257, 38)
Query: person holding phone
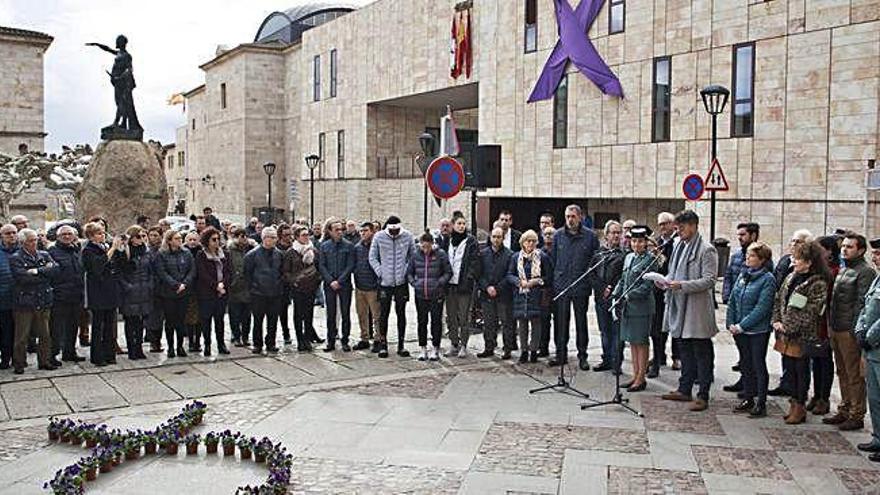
(797, 312)
(102, 296)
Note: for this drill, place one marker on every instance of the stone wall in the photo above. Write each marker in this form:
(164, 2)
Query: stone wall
(21, 93)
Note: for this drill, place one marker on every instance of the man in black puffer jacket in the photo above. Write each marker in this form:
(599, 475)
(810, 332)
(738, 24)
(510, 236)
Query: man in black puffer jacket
(262, 270)
(67, 303)
(32, 300)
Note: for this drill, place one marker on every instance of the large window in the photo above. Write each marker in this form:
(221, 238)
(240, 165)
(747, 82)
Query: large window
(223, 95)
(316, 76)
(340, 154)
(616, 16)
(662, 101)
(560, 115)
(322, 146)
(531, 31)
(742, 123)
(333, 73)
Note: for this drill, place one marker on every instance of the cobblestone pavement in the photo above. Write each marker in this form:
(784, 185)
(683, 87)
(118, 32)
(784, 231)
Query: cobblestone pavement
(358, 424)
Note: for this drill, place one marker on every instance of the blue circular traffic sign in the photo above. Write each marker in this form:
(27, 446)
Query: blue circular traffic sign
(693, 187)
(445, 177)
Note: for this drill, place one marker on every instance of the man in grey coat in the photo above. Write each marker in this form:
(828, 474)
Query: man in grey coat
(690, 309)
(390, 253)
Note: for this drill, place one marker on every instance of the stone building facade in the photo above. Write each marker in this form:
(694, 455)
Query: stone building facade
(805, 77)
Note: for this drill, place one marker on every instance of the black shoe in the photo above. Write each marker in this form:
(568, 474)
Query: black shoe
(72, 359)
(626, 385)
(111, 361)
(505, 355)
(402, 352)
(736, 387)
(171, 352)
(180, 351)
(603, 366)
(524, 357)
(329, 348)
(759, 410)
(557, 361)
(4, 365)
(156, 348)
(361, 345)
(245, 343)
(47, 367)
(271, 349)
(486, 353)
(257, 350)
(583, 363)
(543, 353)
(744, 406)
(317, 340)
(383, 353)
(207, 351)
(376, 347)
(18, 371)
(287, 341)
(637, 388)
(778, 392)
(653, 371)
(304, 347)
(236, 342)
(869, 446)
(221, 348)
(735, 367)
(54, 362)
(346, 347)
(533, 357)
(875, 457)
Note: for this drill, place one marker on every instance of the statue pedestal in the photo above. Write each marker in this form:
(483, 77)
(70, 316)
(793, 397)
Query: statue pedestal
(112, 132)
(124, 179)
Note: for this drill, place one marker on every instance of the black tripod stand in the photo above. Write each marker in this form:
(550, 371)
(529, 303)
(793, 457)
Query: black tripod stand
(562, 384)
(618, 398)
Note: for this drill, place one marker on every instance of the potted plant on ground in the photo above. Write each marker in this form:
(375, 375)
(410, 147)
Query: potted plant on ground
(132, 447)
(151, 442)
(211, 441)
(90, 435)
(229, 439)
(89, 466)
(246, 447)
(169, 440)
(105, 459)
(262, 449)
(54, 429)
(192, 442)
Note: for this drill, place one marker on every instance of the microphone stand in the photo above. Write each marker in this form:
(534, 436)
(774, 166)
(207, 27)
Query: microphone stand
(562, 385)
(618, 398)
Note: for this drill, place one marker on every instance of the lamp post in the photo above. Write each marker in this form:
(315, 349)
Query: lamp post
(714, 99)
(269, 168)
(426, 141)
(312, 162)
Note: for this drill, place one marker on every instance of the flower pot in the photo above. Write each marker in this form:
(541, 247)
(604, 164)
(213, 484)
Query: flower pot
(192, 449)
(91, 474)
(91, 443)
(65, 437)
(211, 448)
(54, 436)
(245, 453)
(228, 450)
(171, 449)
(117, 460)
(107, 467)
(259, 457)
(150, 448)
(280, 490)
(131, 455)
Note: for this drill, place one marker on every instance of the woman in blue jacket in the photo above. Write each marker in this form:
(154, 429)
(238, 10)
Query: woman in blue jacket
(749, 312)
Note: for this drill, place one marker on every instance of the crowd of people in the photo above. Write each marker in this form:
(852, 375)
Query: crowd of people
(820, 301)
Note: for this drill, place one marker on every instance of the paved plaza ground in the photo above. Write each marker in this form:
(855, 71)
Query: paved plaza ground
(358, 424)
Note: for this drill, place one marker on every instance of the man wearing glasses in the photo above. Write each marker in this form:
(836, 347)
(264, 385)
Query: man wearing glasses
(67, 301)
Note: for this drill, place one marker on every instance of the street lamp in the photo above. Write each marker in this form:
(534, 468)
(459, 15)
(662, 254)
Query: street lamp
(312, 162)
(714, 99)
(269, 168)
(426, 141)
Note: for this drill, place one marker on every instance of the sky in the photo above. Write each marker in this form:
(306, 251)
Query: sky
(168, 41)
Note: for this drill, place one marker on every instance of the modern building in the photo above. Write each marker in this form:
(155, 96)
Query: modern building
(358, 86)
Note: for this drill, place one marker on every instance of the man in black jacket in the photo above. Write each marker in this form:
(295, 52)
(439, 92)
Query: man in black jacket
(336, 263)
(511, 235)
(32, 300)
(366, 284)
(495, 296)
(262, 271)
(67, 302)
(609, 262)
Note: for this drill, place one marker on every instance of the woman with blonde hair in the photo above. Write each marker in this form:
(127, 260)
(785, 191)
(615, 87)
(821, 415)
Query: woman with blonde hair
(176, 271)
(530, 272)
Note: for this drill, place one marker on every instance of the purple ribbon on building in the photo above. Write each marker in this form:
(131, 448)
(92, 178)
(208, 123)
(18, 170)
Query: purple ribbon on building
(575, 45)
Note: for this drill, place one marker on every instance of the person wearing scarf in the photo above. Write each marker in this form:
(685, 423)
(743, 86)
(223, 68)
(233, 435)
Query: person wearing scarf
(102, 291)
(137, 289)
(530, 271)
(213, 276)
(301, 276)
(749, 309)
(690, 310)
(463, 257)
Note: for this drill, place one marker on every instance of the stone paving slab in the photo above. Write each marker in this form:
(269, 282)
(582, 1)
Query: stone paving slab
(88, 393)
(189, 382)
(628, 480)
(37, 399)
(277, 370)
(15, 444)
(140, 387)
(738, 461)
(311, 475)
(862, 481)
(808, 441)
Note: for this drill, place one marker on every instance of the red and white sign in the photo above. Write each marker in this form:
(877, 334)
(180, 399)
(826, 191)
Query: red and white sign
(715, 180)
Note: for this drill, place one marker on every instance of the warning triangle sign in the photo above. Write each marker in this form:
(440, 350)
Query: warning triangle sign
(715, 180)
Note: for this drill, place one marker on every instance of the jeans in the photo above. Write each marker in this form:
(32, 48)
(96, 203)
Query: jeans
(240, 321)
(212, 310)
(7, 335)
(609, 329)
(175, 315)
(433, 310)
(872, 370)
(337, 299)
(103, 336)
(753, 364)
(400, 295)
(458, 312)
(493, 311)
(303, 316)
(64, 322)
(563, 319)
(798, 369)
(265, 308)
(134, 335)
(697, 366)
(823, 375)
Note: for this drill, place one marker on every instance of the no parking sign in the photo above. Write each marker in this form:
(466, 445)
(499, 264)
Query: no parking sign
(693, 187)
(445, 177)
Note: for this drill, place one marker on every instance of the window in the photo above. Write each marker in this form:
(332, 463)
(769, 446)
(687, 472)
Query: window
(322, 145)
(531, 32)
(180, 156)
(742, 123)
(616, 16)
(333, 73)
(170, 162)
(340, 154)
(662, 102)
(194, 124)
(560, 115)
(317, 78)
(223, 95)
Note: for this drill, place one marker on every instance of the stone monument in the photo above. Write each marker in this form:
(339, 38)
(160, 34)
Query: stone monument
(125, 178)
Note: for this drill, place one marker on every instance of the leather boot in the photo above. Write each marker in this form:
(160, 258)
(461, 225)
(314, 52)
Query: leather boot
(791, 404)
(797, 415)
(822, 407)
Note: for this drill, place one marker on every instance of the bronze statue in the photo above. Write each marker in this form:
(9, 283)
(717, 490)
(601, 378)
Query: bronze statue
(125, 125)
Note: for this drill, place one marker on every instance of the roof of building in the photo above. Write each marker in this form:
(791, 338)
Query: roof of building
(288, 26)
(24, 33)
(302, 11)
